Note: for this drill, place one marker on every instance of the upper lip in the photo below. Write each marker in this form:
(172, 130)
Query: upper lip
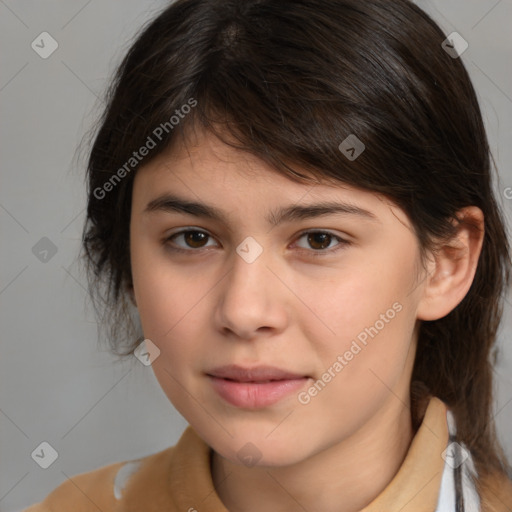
(255, 374)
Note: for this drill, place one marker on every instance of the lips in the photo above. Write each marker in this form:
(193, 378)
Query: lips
(256, 374)
(255, 388)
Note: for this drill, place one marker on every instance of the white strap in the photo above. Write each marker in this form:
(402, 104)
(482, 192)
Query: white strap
(457, 459)
(122, 477)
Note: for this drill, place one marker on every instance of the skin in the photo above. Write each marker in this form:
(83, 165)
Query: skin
(292, 308)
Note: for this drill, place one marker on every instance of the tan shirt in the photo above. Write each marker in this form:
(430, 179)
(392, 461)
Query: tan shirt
(178, 479)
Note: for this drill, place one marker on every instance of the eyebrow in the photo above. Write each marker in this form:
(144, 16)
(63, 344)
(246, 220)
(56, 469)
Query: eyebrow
(172, 203)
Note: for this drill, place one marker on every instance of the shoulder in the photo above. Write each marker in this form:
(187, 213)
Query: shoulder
(495, 492)
(100, 489)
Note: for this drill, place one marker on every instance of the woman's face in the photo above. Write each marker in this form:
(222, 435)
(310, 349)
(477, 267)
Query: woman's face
(235, 279)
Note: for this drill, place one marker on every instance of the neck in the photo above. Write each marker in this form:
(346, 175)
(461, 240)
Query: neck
(344, 477)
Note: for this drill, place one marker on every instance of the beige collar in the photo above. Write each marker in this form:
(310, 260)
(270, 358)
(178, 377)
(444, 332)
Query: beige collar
(415, 488)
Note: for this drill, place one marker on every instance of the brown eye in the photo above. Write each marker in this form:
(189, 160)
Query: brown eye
(187, 240)
(319, 240)
(320, 243)
(195, 239)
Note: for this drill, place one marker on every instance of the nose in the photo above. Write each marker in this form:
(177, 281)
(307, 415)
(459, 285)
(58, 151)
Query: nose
(252, 301)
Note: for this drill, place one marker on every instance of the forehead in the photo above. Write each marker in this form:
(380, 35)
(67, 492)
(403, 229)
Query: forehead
(201, 152)
(202, 157)
(205, 168)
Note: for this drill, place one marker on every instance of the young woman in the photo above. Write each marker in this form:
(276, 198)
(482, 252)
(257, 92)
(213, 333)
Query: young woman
(296, 197)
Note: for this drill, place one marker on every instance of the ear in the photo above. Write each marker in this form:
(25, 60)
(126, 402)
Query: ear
(453, 266)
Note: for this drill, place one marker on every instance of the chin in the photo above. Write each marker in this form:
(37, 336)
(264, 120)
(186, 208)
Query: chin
(257, 450)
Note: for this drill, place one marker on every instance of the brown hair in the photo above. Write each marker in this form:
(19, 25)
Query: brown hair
(289, 80)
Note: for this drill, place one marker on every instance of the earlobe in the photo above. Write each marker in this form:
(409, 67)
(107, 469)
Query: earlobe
(454, 266)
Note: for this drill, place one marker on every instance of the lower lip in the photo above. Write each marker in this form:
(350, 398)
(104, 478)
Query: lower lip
(255, 395)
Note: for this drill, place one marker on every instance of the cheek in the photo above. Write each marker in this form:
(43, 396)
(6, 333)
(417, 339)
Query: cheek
(169, 305)
(165, 298)
(369, 317)
(360, 293)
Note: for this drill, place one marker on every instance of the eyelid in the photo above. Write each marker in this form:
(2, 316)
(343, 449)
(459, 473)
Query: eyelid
(342, 242)
(168, 238)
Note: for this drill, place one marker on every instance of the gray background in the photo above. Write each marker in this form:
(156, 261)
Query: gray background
(55, 385)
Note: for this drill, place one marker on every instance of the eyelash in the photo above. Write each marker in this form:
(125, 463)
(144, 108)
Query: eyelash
(312, 252)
